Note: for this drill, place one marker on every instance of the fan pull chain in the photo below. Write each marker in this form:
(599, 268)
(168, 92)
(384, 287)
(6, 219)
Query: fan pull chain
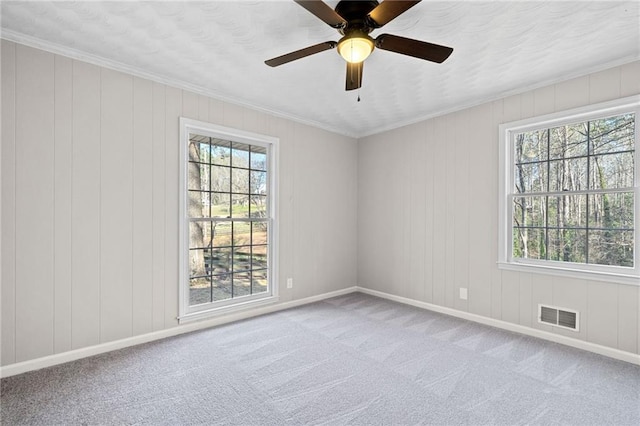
(358, 95)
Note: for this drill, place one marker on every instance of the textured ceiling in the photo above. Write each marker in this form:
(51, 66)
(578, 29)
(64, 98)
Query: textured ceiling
(219, 48)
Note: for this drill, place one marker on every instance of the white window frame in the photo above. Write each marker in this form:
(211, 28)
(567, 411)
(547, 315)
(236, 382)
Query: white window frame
(507, 131)
(190, 313)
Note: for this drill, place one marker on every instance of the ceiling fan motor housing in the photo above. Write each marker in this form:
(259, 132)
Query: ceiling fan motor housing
(355, 13)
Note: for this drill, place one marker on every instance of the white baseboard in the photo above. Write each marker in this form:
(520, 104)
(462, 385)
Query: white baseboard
(61, 358)
(51, 360)
(580, 344)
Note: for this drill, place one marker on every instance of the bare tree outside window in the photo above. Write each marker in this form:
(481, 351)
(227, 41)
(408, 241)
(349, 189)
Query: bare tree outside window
(228, 222)
(573, 195)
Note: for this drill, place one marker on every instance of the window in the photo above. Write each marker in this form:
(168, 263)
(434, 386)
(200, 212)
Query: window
(569, 199)
(228, 221)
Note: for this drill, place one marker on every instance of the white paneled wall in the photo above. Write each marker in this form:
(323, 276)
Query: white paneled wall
(90, 203)
(34, 173)
(89, 180)
(428, 217)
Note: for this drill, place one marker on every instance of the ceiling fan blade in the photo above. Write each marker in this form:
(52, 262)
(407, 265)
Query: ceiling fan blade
(324, 12)
(354, 75)
(388, 10)
(299, 54)
(416, 48)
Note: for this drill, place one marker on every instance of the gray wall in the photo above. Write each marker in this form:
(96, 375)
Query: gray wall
(428, 217)
(89, 175)
(90, 202)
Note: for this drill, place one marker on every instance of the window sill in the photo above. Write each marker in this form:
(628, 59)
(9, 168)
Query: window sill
(617, 278)
(216, 311)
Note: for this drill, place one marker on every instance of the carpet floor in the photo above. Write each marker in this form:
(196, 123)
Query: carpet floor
(354, 359)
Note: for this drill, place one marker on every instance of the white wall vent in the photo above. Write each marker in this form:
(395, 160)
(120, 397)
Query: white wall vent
(558, 317)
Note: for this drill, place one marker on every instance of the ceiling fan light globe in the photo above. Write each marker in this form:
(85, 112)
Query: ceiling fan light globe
(355, 49)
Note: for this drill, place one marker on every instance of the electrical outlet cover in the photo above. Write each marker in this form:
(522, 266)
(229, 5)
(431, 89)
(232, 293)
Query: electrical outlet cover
(463, 293)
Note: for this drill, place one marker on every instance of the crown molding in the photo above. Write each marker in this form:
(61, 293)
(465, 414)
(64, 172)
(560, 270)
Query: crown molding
(518, 91)
(72, 53)
(79, 55)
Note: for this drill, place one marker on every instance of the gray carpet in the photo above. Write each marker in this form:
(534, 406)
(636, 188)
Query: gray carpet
(354, 359)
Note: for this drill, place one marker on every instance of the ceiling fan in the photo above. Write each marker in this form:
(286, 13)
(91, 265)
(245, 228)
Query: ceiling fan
(355, 20)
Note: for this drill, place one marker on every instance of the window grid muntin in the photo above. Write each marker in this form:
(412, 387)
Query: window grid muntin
(587, 192)
(231, 270)
(261, 152)
(626, 151)
(251, 150)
